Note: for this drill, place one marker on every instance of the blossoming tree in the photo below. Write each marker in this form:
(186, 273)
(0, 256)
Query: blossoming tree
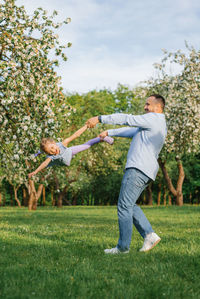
(182, 112)
(31, 100)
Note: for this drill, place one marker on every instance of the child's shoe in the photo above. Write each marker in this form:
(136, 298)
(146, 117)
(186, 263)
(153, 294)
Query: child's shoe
(109, 140)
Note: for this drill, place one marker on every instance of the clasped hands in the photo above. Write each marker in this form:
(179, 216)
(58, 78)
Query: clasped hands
(91, 123)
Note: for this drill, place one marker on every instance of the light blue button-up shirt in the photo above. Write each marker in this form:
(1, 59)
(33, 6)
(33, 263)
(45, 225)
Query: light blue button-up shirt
(148, 132)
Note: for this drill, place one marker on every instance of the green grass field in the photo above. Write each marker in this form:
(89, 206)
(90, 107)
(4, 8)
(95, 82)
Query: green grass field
(58, 253)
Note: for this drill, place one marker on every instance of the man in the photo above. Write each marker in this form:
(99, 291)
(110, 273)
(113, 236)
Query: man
(148, 132)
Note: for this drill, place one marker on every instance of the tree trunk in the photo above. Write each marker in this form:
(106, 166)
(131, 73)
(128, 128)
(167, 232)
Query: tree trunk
(25, 197)
(190, 197)
(30, 202)
(15, 189)
(159, 194)
(53, 202)
(33, 195)
(179, 198)
(39, 193)
(169, 200)
(144, 198)
(179, 186)
(11, 197)
(61, 194)
(43, 196)
(16, 198)
(164, 196)
(59, 203)
(178, 191)
(149, 195)
(74, 202)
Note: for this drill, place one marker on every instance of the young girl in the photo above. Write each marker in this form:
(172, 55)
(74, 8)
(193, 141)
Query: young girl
(59, 154)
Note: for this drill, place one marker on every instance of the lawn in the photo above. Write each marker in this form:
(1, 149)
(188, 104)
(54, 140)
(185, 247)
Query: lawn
(58, 253)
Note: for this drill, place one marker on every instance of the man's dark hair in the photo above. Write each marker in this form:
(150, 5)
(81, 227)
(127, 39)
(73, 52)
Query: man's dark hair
(159, 98)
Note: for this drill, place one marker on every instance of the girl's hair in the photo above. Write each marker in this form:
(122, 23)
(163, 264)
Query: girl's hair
(43, 143)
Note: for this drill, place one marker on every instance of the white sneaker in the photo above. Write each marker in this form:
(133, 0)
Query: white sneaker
(150, 241)
(115, 251)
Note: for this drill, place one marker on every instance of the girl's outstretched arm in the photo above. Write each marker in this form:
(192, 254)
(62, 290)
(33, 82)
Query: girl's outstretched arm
(74, 136)
(42, 166)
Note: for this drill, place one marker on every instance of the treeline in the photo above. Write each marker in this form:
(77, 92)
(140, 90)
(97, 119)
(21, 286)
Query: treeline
(95, 175)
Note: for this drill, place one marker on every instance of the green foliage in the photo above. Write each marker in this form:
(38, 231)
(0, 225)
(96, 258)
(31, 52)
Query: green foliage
(100, 168)
(30, 87)
(183, 105)
(191, 188)
(94, 176)
(128, 100)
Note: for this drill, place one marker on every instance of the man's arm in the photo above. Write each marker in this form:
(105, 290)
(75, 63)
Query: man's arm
(142, 121)
(91, 123)
(123, 132)
(42, 166)
(74, 136)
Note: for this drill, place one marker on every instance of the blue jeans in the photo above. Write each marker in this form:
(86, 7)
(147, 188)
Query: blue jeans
(133, 183)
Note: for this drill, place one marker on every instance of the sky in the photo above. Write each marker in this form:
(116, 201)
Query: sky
(118, 41)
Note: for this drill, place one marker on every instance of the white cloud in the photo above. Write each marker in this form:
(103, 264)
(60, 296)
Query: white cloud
(91, 74)
(116, 41)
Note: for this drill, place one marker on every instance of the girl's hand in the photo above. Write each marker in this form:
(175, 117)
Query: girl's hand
(103, 134)
(31, 174)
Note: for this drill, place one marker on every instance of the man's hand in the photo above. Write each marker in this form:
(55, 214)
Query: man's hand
(91, 123)
(31, 174)
(103, 134)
